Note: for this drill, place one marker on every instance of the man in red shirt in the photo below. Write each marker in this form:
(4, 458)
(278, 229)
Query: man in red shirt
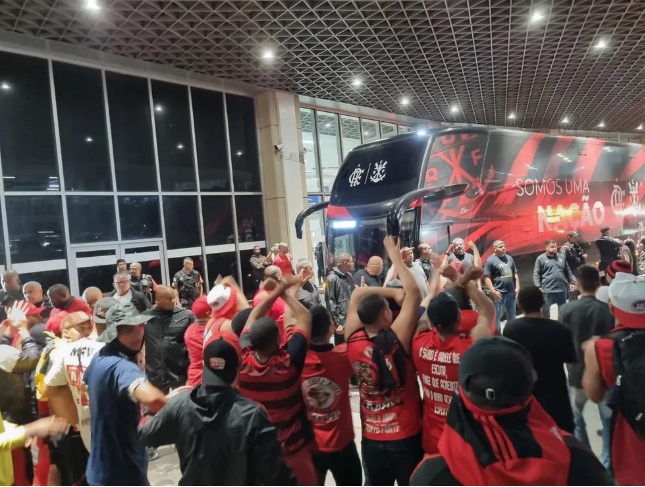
(325, 388)
(379, 351)
(194, 340)
(440, 342)
(62, 301)
(627, 304)
(270, 375)
(283, 259)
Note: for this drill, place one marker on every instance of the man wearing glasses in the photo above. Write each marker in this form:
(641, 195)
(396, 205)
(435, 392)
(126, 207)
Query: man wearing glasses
(340, 285)
(124, 293)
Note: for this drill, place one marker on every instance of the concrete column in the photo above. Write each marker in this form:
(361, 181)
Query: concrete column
(283, 167)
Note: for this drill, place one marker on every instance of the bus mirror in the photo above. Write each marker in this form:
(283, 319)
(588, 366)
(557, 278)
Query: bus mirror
(300, 219)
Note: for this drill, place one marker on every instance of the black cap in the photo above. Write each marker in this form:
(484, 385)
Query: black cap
(604, 229)
(222, 359)
(573, 233)
(443, 310)
(507, 368)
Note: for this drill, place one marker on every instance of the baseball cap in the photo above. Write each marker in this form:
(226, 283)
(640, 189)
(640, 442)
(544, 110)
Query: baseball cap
(73, 319)
(101, 307)
(604, 229)
(618, 266)
(443, 310)
(627, 296)
(200, 307)
(33, 310)
(222, 359)
(122, 314)
(573, 233)
(505, 364)
(222, 299)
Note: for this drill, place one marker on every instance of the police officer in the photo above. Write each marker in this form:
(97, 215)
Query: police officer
(188, 284)
(609, 248)
(144, 283)
(574, 256)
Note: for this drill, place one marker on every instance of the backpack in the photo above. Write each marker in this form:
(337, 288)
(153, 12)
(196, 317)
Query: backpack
(627, 396)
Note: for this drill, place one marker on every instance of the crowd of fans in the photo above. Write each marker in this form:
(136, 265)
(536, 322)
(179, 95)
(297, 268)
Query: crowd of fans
(259, 393)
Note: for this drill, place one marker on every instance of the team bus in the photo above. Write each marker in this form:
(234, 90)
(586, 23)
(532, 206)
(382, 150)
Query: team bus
(483, 184)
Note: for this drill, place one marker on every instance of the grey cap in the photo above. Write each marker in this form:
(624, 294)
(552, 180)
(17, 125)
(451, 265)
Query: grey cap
(101, 307)
(122, 314)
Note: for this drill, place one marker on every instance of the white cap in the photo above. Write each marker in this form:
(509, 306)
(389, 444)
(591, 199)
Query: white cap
(603, 294)
(627, 296)
(218, 296)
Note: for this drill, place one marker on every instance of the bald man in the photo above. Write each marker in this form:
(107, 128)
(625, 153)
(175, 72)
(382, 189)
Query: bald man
(33, 292)
(91, 295)
(372, 274)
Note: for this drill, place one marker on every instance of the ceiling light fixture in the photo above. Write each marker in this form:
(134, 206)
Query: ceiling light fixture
(356, 83)
(158, 108)
(537, 16)
(92, 5)
(5, 86)
(268, 54)
(327, 125)
(640, 127)
(601, 125)
(601, 44)
(405, 101)
(454, 109)
(565, 120)
(511, 116)
(180, 146)
(89, 139)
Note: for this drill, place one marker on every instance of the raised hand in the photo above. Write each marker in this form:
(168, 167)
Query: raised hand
(449, 272)
(290, 281)
(471, 245)
(392, 247)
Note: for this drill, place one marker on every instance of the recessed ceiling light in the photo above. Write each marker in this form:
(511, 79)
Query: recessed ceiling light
(158, 108)
(640, 127)
(511, 116)
(537, 16)
(327, 125)
(356, 82)
(268, 54)
(239, 153)
(405, 101)
(565, 120)
(601, 125)
(92, 5)
(601, 44)
(366, 133)
(89, 139)
(5, 86)
(454, 109)
(180, 146)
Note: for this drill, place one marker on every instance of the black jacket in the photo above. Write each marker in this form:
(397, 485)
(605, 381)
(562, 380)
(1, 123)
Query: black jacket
(222, 438)
(573, 254)
(16, 400)
(339, 290)
(139, 300)
(552, 274)
(166, 354)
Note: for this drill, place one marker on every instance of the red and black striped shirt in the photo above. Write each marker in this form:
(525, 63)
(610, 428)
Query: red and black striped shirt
(276, 385)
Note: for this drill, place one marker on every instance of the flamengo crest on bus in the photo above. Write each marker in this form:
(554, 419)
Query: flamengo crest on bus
(375, 174)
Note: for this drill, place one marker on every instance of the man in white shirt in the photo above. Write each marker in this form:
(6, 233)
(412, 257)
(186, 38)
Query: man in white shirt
(407, 255)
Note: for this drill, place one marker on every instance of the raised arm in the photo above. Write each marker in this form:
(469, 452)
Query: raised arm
(477, 259)
(484, 305)
(353, 322)
(405, 324)
(263, 308)
(301, 317)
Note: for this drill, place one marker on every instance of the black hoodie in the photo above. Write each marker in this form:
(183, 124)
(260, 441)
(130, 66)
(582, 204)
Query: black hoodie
(222, 438)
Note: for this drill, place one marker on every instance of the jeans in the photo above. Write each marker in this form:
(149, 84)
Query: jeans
(559, 298)
(345, 466)
(508, 302)
(578, 400)
(387, 461)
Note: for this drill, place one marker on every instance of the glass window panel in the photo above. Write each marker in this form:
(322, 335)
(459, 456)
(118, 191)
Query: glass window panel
(139, 217)
(388, 129)
(131, 126)
(250, 218)
(47, 278)
(328, 147)
(208, 116)
(35, 228)
(309, 146)
(181, 221)
(217, 212)
(405, 129)
(248, 284)
(222, 265)
(243, 135)
(370, 130)
(176, 264)
(174, 137)
(350, 131)
(91, 219)
(81, 124)
(26, 126)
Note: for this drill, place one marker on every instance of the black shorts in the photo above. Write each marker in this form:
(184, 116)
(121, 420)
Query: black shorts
(69, 455)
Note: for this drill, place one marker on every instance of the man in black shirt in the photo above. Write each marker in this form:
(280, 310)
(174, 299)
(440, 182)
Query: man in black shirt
(503, 282)
(515, 442)
(586, 317)
(552, 276)
(188, 284)
(609, 249)
(373, 273)
(550, 344)
(574, 255)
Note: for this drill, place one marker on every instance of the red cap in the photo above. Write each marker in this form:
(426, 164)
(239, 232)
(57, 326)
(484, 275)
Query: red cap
(200, 307)
(54, 322)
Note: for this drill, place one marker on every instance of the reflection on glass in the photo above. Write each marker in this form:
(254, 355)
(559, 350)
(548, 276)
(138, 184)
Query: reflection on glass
(35, 228)
(405, 129)
(47, 278)
(350, 131)
(131, 126)
(244, 142)
(328, 145)
(27, 144)
(250, 218)
(81, 122)
(91, 219)
(248, 284)
(139, 216)
(309, 146)
(222, 265)
(388, 129)
(217, 212)
(208, 117)
(181, 221)
(370, 130)
(174, 138)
